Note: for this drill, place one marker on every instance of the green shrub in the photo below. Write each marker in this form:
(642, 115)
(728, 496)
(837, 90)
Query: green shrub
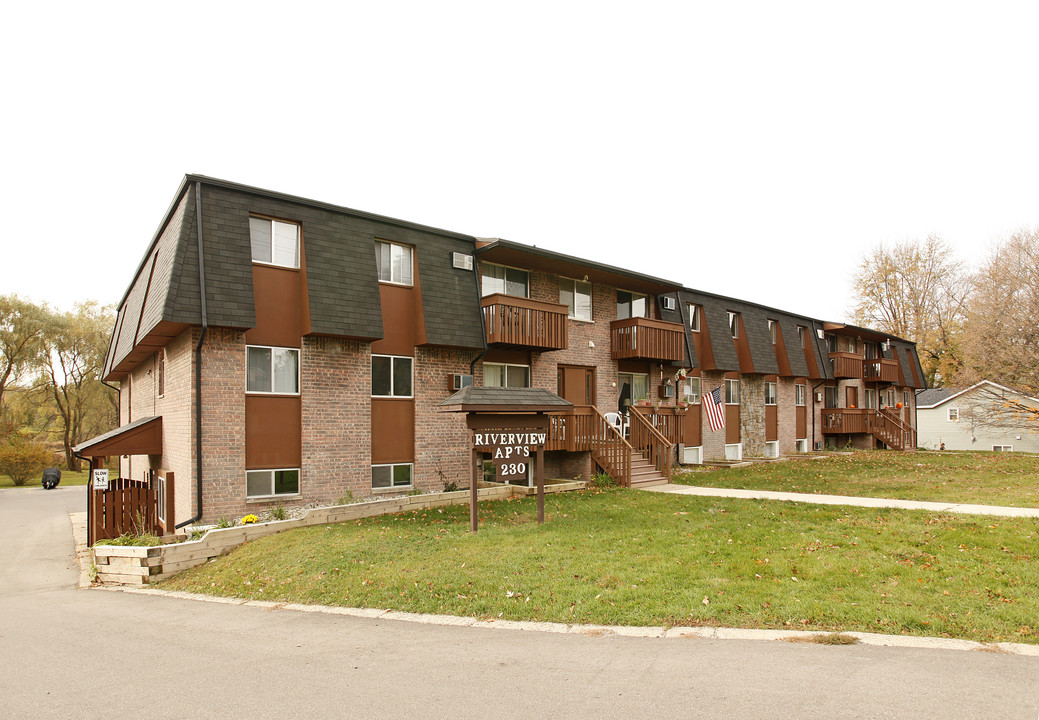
(225, 523)
(131, 538)
(603, 480)
(346, 498)
(450, 486)
(22, 460)
(278, 512)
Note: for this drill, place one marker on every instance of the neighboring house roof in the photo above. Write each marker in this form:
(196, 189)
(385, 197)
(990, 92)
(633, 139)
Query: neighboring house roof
(939, 396)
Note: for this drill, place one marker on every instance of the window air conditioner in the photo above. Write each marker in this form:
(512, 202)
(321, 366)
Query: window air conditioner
(461, 261)
(461, 381)
(669, 303)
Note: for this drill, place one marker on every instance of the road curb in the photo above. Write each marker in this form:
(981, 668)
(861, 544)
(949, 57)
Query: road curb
(603, 631)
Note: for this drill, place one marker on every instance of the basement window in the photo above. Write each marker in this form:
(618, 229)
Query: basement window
(271, 483)
(389, 477)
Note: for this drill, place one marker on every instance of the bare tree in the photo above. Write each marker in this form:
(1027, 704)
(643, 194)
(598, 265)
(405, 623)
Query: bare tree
(1000, 341)
(996, 409)
(916, 291)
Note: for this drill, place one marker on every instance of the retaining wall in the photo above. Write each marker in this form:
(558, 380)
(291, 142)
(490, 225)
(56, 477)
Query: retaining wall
(138, 565)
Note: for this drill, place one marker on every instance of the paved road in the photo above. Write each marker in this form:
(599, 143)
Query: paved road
(97, 654)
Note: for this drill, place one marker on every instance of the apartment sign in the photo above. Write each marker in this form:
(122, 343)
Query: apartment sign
(511, 452)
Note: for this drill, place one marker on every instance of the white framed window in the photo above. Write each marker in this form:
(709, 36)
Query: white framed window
(577, 296)
(395, 262)
(271, 483)
(392, 476)
(734, 452)
(504, 280)
(800, 393)
(771, 393)
(905, 398)
(871, 399)
(1002, 448)
(505, 375)
(732, 392)
(392, 376)
(772, 449)
(802, 333)
(954, 414)
(801, 445)
(633, 387)
(274, 242)
(692, 390)
(694, 317)
(631, 304)
(271, 370)
(734, 325)
(773, 330)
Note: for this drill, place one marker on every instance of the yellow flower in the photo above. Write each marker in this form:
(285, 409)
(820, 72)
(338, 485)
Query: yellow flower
(249, 519)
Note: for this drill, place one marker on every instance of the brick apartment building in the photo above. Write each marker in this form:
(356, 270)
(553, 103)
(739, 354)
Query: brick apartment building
(293, 351)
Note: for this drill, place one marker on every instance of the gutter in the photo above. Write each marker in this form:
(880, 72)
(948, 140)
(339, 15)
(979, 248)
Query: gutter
(198, 360)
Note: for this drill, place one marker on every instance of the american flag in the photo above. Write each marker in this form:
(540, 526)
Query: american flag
(712, 402)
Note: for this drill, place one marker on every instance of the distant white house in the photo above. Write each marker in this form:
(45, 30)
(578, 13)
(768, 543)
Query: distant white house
(977, 418)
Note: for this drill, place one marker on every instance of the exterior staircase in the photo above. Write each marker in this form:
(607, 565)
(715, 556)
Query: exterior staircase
(643, 473)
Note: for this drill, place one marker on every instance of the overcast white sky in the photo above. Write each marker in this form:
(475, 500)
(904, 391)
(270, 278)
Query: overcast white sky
(752, 149)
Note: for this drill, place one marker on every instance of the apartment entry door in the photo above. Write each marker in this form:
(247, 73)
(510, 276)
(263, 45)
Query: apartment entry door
(576, 383)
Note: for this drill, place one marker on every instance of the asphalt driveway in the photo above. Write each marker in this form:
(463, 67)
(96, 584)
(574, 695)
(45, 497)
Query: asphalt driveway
(101, 654)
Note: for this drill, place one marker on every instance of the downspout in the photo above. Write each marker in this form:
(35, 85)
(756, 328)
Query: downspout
(198, 360)
(814, 388)
(483, 324)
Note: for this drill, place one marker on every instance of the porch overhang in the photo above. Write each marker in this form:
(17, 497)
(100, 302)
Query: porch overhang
(141, 437)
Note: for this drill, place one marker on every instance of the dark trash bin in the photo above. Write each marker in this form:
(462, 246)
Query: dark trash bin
(51, 478)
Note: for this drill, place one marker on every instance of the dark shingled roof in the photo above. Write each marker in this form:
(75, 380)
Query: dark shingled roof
(933, 396)
(488, 398)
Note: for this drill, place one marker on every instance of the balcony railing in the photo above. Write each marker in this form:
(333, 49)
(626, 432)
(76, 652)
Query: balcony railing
(519, 322)
(884, 425)
(646, 339)
(837, 421)
(846, 365)
(880, 370)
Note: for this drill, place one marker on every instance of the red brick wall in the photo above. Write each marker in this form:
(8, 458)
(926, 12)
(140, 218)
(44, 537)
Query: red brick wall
(223, 424)
(442, 444)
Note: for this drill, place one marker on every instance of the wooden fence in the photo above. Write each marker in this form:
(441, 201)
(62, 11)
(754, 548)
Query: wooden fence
(131, 506)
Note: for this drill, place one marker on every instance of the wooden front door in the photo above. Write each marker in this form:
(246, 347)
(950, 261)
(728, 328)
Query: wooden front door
(576, 383)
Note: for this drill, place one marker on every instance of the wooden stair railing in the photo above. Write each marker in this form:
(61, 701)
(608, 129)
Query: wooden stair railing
(649, 441)
(585, 429)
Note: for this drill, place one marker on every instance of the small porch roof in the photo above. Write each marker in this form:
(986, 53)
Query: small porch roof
(503, 400)
(141, 437)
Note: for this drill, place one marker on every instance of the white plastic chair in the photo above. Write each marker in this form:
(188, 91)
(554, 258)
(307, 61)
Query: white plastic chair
(617, 421)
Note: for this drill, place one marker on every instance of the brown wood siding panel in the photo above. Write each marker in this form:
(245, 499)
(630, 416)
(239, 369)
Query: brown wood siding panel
(781, 357)
(771, 422)
(393, 431)
(732, 424)
(743, 348)
(276, 293)
(398, 321)
(273, 432)
(801, 422)
(694, 425)
(512, 356)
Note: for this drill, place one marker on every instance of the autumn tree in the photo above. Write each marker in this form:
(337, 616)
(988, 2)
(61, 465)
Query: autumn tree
(76, 344)
(916, 291)
(21, 338)
(1001, 335)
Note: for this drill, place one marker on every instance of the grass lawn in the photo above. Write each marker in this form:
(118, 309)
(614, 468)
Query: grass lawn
(67, 478)
(636, 558)
(987, 478)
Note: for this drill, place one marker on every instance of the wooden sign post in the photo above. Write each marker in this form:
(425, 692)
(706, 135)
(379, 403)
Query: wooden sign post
(513, 442)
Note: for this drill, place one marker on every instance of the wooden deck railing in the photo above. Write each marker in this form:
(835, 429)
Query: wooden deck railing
(836, 421)
(880, 370)
(585, 429)
(647, 339)
(670, 421)
(651, 442)
(520, 322)
(885, 425)
(846, 365)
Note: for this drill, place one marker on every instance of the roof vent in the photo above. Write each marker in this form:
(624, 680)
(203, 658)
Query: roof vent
(461, 261)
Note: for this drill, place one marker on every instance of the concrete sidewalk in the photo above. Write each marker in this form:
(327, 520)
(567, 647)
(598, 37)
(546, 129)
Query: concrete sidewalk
(847, 500)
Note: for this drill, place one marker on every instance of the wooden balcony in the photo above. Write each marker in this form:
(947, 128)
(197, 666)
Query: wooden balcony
(519, 322)
(880, 370)
(645, 339)
(838, 421)
(846, 365)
